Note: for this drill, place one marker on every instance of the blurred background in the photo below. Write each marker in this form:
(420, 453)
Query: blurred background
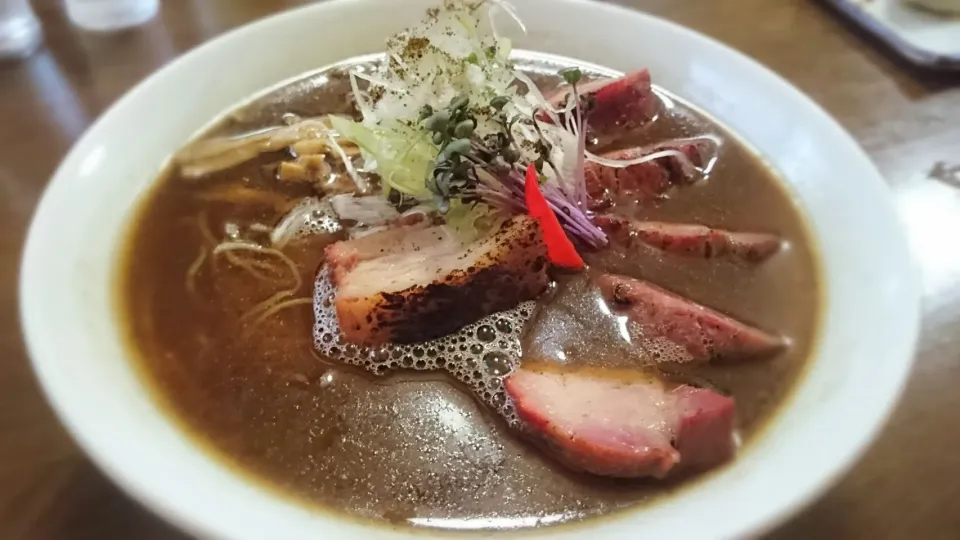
(902, 103)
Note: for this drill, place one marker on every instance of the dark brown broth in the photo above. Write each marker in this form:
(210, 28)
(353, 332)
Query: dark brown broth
(412, 448)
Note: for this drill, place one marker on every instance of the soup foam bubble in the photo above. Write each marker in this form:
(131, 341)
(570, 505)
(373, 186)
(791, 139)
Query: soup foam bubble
(479, 355)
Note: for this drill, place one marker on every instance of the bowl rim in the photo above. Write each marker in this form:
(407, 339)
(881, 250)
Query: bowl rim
(755, 524)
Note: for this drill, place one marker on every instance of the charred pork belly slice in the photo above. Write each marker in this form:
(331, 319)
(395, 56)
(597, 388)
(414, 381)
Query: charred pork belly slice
(690, 239)
(622, 423)
(619, 105)
(344, 256)
(703, 333)
(642, 182)
(412, 284)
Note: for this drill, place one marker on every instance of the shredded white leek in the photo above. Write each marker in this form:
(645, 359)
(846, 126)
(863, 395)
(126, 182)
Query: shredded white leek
(362, 185)
(455, 52)
(507, 8)
(622, 163)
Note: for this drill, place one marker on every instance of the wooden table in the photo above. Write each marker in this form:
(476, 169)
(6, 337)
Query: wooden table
(907, 486)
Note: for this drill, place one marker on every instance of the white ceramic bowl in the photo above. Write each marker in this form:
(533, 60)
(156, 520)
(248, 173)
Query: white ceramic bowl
(69, 270)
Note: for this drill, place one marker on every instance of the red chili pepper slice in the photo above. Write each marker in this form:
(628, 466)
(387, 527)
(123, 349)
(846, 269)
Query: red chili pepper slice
(560, 249)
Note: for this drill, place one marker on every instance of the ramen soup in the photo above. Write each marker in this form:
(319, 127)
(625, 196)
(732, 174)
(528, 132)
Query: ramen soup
(456, 286)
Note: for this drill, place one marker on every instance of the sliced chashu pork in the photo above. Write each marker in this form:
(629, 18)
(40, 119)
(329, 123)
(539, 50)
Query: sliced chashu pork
(618, 105)
(705, 334)
(411, 284)
(641, 182)
(690, 239)
(622, 423)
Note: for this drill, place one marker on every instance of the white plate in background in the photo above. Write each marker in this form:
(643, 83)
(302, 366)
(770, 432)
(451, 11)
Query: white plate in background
(922, 37)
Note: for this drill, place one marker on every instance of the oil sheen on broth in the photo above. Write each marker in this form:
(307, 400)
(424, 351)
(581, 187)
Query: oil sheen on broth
(416, 448)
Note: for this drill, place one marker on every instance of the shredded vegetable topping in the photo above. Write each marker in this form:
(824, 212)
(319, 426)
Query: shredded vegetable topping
(444, 123)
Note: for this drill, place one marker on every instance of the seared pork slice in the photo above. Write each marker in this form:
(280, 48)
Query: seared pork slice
(703, 333)
(412, 284)
(641, 182)
(690, 239)
(619, 105)
(622, 423)
(344, 256)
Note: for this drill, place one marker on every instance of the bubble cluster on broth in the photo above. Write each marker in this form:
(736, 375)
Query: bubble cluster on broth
(478, 355)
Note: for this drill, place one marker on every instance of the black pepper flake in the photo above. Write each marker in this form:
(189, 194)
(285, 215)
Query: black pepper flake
(415, 47)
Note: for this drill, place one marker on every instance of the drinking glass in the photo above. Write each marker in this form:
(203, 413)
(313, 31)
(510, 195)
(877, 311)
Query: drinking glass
(20, 32)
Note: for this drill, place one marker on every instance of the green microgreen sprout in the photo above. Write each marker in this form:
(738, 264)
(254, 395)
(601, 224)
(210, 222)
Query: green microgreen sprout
(461, 152)
(571, 74)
